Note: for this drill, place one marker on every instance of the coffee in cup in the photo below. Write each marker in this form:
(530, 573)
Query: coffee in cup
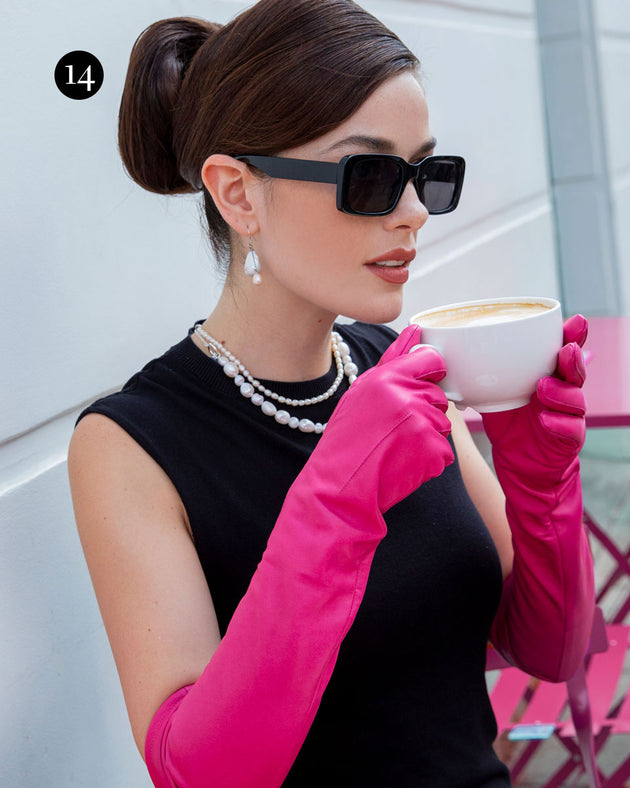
(495, 350)
(482, 314)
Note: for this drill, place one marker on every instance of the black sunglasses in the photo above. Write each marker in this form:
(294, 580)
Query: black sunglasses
(371, 184)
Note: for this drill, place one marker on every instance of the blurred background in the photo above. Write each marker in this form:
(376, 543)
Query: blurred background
(98, 277)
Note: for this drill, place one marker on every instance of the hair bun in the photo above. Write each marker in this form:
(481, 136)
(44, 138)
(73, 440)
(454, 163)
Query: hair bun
(158, 63)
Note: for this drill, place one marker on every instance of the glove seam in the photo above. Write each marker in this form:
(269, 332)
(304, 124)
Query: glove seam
(394, 427)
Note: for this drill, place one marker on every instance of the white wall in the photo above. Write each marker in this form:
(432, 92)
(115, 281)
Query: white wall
(585, 55)
(481, 77)
(612, 18)
(98, 277)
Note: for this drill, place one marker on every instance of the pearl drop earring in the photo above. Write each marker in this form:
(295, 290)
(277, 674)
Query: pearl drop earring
(252, 263)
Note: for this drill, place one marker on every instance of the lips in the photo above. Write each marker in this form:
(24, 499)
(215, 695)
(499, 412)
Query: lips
(392, 266)
(394, 257)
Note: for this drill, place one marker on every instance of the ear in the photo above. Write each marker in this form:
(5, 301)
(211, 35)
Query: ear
(233, 188)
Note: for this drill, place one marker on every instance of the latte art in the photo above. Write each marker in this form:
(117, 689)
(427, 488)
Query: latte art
(481, 314)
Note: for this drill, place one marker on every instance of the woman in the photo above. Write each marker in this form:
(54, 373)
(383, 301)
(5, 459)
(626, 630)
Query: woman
(298, 553)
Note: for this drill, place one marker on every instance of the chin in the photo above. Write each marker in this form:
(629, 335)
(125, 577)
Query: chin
(376, 310)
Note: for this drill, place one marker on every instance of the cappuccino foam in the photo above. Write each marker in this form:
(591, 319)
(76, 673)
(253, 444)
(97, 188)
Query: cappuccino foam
(481, 314)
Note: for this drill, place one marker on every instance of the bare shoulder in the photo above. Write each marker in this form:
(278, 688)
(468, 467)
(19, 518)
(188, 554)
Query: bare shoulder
(103, 459)
(150, 586)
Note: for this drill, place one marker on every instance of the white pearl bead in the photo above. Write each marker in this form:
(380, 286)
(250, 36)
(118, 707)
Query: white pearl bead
(234, 369)
(251, 265)
(268, 408)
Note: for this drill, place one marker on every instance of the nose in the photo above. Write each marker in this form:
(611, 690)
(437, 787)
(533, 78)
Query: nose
(409, 213)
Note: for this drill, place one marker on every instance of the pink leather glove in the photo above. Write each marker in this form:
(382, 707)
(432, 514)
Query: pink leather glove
(244, 720)
(544, 620)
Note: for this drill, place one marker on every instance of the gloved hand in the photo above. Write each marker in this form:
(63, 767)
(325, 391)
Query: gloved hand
(244, 720)
(544, 620)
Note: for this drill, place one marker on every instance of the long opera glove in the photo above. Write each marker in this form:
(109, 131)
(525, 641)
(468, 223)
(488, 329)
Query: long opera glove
(544, 620)
(244, 720)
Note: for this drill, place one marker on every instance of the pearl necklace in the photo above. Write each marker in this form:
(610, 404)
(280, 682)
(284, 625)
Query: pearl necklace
(261, 397)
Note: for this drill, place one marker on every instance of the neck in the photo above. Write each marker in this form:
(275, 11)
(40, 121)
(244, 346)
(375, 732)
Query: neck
(274, 344)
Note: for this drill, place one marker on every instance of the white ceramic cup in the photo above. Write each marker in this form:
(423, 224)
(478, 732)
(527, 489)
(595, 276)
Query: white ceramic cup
(495, 350)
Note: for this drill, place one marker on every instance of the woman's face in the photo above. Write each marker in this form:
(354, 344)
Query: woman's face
(323, 261)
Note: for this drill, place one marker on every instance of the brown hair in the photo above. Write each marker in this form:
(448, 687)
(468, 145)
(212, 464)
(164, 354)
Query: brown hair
(280, 74)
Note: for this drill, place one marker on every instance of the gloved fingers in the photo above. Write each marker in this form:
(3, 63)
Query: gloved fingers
(423, 362)
(437, 454)
(407, 338)
(571, 366)
(419, 458)
(561, 396)
(570, 430)
(444, 427)
(440, 402)
(416, 374)
(436, 415)
(575, 329)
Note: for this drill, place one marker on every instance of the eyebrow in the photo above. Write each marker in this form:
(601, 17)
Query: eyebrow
(381, 145)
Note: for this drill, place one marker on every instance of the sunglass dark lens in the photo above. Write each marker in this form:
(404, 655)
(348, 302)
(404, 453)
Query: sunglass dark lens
(437, 186)
(373, 185)
(437, 195)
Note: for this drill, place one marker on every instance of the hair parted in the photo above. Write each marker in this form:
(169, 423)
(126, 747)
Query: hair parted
(280, 74)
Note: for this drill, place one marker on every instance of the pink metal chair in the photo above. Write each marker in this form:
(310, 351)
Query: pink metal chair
(531, 710)
(609, 716)
(620, 569)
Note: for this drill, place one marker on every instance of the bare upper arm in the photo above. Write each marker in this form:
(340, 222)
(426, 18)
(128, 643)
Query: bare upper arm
(150, 586)
(483, 488)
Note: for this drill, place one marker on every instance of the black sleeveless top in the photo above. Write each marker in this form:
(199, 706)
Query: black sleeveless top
(407, 703)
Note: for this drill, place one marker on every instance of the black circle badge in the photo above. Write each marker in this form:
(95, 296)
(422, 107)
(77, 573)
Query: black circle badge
(79, 75)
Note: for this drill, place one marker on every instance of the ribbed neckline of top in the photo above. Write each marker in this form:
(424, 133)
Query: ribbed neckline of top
(211, 373)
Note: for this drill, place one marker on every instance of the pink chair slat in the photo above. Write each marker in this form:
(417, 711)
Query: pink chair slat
(618, 778)
(546, 704)
(506, 695)
(602, 678)
(619, 719)
(621, 723)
